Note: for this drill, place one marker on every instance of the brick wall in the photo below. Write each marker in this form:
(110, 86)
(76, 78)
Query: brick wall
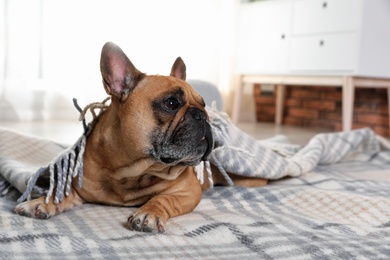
(321, 107)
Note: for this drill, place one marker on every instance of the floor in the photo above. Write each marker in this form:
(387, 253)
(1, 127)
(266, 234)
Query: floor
(67, 132)
(296, 135)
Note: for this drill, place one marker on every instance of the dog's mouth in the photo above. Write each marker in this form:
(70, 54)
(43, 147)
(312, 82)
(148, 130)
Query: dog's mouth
(185, 147)
(208, 137)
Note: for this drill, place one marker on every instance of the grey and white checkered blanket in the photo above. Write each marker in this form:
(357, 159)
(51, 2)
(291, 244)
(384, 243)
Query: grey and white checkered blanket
(337, 206)
(236, 152)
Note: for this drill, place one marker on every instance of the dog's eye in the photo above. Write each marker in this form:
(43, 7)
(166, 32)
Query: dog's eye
(171, 103)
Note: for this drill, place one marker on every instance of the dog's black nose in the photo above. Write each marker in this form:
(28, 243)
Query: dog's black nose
(197, 114)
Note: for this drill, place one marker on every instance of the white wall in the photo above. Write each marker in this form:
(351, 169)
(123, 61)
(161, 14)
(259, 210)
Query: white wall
(54, 47)
(2, 44)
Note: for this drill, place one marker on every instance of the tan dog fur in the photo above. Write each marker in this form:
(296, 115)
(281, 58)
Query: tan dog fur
(118, 170)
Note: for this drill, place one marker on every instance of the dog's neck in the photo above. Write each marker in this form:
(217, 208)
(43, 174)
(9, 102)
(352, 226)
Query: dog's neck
(106, 144)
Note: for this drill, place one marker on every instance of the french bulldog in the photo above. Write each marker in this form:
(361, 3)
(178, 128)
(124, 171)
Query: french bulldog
(143, 148)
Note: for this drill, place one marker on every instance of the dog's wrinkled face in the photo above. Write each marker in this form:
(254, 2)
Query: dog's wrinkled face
(182, 134)
(161, 116)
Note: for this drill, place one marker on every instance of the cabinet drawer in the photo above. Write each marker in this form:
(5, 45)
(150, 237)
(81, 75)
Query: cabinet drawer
(263, 47)
(316, 16)
(333, 52)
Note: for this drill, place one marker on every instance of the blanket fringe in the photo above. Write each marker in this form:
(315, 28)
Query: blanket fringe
(68, 164)
(5, 187)
(199, 170)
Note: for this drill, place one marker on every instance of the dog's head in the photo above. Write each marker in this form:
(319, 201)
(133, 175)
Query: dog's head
(161, 117)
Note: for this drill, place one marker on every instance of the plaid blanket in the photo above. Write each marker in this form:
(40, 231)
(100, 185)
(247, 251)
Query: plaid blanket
(336, 207)
(237, 152)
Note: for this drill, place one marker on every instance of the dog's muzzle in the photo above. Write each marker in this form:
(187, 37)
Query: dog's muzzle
(190, 143)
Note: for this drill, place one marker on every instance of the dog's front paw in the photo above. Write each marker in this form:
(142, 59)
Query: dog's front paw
(146, 222)
(36, 209)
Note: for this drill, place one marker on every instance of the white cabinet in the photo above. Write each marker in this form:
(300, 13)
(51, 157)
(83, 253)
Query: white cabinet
(328, 52)
(264, 36)
(315, 37)
(326, 16)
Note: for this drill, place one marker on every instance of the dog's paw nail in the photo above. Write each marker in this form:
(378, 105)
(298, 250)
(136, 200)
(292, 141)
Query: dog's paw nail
(40, 215)
(22, 212)
(161, 229)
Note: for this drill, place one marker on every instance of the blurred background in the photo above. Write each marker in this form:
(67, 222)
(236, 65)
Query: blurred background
(50, 50)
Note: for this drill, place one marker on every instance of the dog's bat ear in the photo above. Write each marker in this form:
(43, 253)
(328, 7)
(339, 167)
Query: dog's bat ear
(120, 76)
(179, 69)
